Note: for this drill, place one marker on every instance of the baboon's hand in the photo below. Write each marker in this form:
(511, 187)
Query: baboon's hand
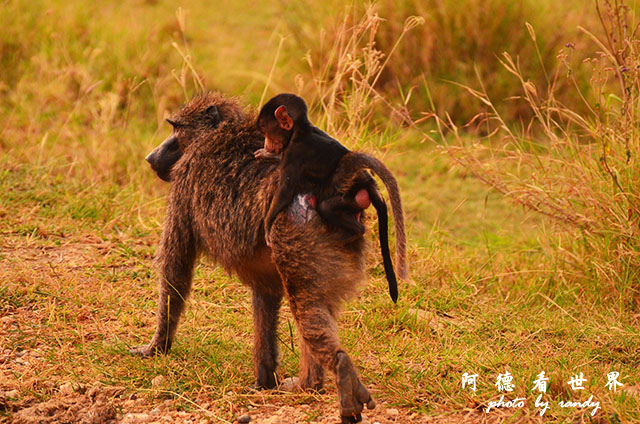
(265, 378)
(351, 392)
(267, 238)
(265, 154)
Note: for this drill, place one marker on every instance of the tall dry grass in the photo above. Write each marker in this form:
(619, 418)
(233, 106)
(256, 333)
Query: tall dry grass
(343, 71)
(456, 42)
(579, 167)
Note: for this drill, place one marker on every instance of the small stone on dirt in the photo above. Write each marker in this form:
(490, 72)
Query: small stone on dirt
(94, 390)
(12, 394)
(66, 389)
(133, 418)
(392, 411)
(158, 381)
(244, 419)
(21, 361)
(8, 320)
(290, 384)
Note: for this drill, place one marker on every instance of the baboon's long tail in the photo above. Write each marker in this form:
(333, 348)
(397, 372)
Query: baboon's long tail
(358, 160)
(383, 232)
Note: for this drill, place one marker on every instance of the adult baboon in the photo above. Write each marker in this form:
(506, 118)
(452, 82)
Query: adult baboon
(217, 206)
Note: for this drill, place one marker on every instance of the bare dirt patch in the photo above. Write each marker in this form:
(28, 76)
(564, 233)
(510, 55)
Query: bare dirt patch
(94, 406)
(111, 405)
(97, 404)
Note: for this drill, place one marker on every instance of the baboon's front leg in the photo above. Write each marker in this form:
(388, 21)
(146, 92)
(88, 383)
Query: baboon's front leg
(266, 306)
(176, 259)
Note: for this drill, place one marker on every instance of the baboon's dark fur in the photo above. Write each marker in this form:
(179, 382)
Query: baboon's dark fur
(217, 206)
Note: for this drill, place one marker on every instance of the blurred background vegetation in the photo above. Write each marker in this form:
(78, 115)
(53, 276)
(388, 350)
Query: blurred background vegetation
(87, 86)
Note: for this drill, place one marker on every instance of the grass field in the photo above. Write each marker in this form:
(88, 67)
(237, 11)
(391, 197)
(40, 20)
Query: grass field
(497, 286)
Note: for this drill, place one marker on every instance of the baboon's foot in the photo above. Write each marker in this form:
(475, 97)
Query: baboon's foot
(266, 378)
(147, 351)
(352, 394)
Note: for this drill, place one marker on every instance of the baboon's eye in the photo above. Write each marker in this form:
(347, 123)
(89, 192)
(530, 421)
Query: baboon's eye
(212, 111)
(174, 124)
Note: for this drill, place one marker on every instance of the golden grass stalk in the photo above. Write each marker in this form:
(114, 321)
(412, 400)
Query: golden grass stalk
(582, 169)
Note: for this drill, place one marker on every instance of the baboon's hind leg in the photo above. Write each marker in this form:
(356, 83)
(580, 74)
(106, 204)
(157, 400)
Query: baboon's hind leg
(319, 331)
(319, 272)
(311, 372)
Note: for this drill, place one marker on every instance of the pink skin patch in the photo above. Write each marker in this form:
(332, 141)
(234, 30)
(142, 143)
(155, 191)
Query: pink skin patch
(312, 201)
(362, 199)
(302, 208)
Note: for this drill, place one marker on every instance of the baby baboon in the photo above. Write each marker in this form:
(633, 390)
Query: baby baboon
(217, 206)
(310, 158)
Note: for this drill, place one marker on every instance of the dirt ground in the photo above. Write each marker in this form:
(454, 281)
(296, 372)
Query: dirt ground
(99, 404)
(28, 394)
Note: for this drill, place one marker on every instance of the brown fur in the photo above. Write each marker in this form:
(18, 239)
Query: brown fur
(217, 206)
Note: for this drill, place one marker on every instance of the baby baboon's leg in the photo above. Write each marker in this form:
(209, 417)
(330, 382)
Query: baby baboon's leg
(266, 306)
(175, 260)
(343, 213)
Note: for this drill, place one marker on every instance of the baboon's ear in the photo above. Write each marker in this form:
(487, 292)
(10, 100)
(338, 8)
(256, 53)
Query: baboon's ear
(213, 115)
(283, 118)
